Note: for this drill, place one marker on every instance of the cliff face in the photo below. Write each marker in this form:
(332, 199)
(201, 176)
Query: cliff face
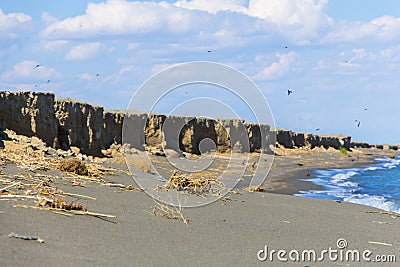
(79, 125)
(29, 114)
(290, 139)
(112, 128)
(63, 124)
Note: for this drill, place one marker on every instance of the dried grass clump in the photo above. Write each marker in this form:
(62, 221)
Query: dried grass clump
(73, 165)
(255, 188)
(199, 185)
(169, 212)
(59, 203)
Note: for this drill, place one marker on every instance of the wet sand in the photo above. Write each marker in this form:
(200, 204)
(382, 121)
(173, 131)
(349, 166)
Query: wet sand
(227, 233)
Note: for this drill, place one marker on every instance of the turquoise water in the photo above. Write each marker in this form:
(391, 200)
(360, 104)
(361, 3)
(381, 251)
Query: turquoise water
(377, 185)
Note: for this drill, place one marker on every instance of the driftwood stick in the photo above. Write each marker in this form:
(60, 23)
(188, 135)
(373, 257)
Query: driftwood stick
(385, 212)
(17, 196)
(26, 237)
(77, 212)
(78, 195)
(7, 187)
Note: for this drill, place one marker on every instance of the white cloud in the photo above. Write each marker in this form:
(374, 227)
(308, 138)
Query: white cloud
(83, 51)
(388, 27)
(297, 19)
(382, 29)
(278, 69)
(86, 76)
(12, 21)
(360, 56)
(54, 45)
(300, 21)
(123, 75)
(27, 71)
(213, 6)
(122, 17)
(391, 53)
(47, 18)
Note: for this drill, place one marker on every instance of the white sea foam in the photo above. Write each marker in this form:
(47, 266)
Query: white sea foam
(344, 176)
(341, 184)
(379, 202)
(389, 163)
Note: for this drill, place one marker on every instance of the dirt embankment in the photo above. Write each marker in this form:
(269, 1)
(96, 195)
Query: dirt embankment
(67, 123)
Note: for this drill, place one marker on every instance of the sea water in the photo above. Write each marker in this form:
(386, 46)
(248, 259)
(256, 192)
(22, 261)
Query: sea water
(377, 185)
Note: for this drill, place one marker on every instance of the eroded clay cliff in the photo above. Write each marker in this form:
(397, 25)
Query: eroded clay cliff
(65, 123)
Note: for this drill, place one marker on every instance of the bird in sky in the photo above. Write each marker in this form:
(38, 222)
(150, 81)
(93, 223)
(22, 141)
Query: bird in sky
(317, 129)
(286, 47)
(48, 81)
(209, 51)
(289, 92)
(97, 75)
(365, 109)
(358, 125)
(37, 66)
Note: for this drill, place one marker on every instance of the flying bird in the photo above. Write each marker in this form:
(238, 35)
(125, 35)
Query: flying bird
(317, 129)
(48, 81)
(358, 125)
(37, 66)
(209, 51)
(97, 75)
(285, 46)
(289, 92)
(365, 109)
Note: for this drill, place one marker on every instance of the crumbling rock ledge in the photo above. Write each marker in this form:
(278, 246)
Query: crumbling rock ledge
(29, 114)
(66, 123)
(79, 125)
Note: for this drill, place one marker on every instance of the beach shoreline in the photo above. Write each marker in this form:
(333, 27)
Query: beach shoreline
(224, 233)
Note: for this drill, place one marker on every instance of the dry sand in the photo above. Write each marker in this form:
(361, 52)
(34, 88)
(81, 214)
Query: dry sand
(227, 233)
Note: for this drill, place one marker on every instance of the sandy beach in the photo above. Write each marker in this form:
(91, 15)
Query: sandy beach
(226, 233)
(199, 133)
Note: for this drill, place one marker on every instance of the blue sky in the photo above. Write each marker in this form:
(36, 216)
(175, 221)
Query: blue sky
(340, 58)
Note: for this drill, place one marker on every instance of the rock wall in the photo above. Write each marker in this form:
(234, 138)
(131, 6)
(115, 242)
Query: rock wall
(198, 135)
(63, 124)
(133, 128)
(79, 125)
(112, 128)
(29, 114)
(289, 139)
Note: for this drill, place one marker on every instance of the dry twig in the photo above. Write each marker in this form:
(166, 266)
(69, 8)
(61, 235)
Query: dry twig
(169, 212)
(393, 214)
(380, 243)
(26, 237)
